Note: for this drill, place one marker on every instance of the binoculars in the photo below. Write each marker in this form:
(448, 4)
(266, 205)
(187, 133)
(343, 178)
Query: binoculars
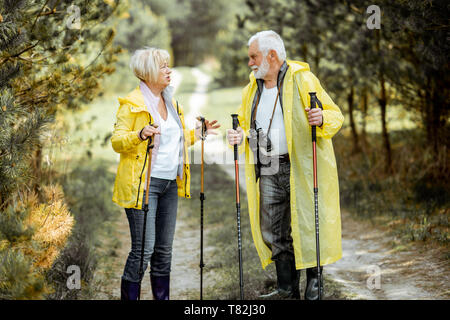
(259, 142)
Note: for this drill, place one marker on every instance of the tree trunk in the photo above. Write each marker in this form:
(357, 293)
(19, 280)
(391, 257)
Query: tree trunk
(305, 52)
(387, 144)
(382, 101)
(436, 114)
(350, 99)
(364, 107)
(317, 59)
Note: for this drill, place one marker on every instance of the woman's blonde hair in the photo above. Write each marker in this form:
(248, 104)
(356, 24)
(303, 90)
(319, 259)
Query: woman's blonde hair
(146, 63)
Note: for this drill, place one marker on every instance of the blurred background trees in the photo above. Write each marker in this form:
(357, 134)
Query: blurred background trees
(140, 27)
(194, 26)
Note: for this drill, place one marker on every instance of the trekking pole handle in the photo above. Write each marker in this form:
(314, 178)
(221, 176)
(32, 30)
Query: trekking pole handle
(313, 105)
(235, 126)
(203, 132)
(150, 138)
(313, 102)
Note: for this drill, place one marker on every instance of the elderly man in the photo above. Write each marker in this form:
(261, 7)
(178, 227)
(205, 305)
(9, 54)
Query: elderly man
(275, 133)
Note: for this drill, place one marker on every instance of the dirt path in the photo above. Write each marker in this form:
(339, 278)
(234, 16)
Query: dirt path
(413, 271)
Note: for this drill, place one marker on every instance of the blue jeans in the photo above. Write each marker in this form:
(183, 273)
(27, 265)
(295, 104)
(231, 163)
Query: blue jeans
(160, 230)
(275, 212)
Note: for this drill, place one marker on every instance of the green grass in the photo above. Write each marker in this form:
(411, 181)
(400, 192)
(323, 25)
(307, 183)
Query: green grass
(221, 104)
(93, 126)
(411, 201)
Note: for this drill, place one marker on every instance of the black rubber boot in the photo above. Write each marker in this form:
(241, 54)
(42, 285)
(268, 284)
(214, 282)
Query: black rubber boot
(288, 279)
(129, 290)
(160, 287)
(296, 284)
(312, 284)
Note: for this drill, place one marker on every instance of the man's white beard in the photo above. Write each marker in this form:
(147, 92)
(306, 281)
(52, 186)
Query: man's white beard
(262, 69)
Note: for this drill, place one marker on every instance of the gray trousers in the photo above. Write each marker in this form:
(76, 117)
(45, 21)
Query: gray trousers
(275, 212)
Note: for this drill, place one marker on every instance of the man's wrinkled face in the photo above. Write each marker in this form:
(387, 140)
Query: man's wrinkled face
(257, 62)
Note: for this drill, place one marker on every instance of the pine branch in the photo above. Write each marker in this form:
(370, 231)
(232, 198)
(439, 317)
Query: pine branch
(10, 37)
(25, 49)
(19, 53)
(13, 5)
(10, 71)
(38, 15)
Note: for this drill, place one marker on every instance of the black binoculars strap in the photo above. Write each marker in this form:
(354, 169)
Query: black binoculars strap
(273, 111)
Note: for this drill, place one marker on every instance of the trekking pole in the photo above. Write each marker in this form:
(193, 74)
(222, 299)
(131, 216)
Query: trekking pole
(202, 198)
(145, 207)
(238, 208)
(316, 192)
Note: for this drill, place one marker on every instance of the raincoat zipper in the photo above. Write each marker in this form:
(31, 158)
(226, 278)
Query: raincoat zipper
(184, 156)
(185, 182)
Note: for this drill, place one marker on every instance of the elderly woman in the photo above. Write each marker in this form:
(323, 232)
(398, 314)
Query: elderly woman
(151, 102)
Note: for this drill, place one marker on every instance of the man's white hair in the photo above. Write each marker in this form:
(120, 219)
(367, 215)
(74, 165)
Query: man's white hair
(146, 63)
(269, 40)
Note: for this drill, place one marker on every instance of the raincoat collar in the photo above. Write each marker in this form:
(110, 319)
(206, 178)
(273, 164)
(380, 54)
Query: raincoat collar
(138, 101)
(260, 86)
(151, 101)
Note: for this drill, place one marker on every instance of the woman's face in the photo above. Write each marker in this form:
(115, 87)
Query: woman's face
(164, 75)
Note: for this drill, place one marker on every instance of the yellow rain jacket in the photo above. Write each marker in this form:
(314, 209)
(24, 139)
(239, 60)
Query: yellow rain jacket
(298, 134)
(132, 116)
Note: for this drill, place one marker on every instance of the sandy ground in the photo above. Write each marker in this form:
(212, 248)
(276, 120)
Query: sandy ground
(374, 265)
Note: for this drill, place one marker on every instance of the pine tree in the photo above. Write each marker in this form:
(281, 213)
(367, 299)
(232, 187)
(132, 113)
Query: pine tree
(418, 32)
(47, 63)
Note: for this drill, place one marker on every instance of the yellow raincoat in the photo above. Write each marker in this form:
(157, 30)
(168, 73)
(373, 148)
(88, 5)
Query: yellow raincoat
(132, 116)
(298, 134)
